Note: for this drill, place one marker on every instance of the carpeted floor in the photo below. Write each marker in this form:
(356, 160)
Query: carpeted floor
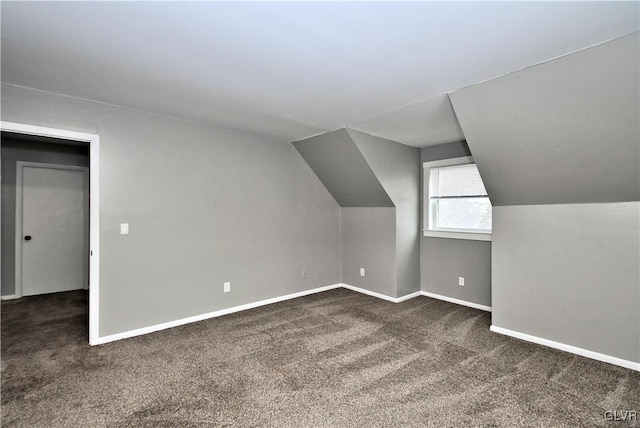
(336, 359)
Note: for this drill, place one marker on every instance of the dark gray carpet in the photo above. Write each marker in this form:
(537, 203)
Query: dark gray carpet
(336, 359)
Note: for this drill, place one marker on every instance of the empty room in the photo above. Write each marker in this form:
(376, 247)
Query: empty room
(303, 214)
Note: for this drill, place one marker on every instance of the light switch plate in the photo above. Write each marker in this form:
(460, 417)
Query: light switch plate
(124, 228)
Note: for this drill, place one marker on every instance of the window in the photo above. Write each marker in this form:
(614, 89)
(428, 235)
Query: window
(456, 204)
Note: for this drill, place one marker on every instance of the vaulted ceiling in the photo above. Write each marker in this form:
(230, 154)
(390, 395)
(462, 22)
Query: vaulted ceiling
(293, 70)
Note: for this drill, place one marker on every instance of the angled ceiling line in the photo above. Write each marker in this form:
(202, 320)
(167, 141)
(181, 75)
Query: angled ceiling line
(555, 58)
(398, 108)
(288, 71)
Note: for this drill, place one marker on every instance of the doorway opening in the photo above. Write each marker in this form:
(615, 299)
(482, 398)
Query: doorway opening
(50, 221)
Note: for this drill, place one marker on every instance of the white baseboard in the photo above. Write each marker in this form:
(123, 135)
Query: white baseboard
(176, 323)
(183, 321)
(456, 301)
(9, 297)
(408, 296)
(568, 348)
(380, 295)
(557, 345)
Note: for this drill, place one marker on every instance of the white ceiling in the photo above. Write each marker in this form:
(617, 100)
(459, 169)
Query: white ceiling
(292, 70)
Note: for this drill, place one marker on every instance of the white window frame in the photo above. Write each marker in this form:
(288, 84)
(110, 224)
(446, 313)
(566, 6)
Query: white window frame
(457, 234)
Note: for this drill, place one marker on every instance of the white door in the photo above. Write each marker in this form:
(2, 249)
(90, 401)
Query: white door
(52, 228)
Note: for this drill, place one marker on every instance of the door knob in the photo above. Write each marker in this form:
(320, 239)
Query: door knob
(27, 238)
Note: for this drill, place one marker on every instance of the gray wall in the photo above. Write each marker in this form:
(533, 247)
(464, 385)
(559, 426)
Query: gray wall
(368, 241)
(339, 164)
(565, 131)
(398, 167)
(557, 147)
(205, 205)
(443, 260)
(367, 172)
(14, 150)
(570, 273)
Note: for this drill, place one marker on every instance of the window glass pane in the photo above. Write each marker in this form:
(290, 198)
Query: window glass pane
(462, 180)
(463, 213)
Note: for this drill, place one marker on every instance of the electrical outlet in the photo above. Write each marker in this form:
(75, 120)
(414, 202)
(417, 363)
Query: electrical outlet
(461, 281)
(361, 271)
(124, 228)
(227, 287)
(304, 273)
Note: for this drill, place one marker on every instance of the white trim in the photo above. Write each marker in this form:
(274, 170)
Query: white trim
(572, 349)
(202, 317)
(9, 297)
(457, 301)
(19, 232)
(568, 348)
(94, 209)
(221, 312)
(457, 235)
(408, 297)
(446, 162)
(380, 295)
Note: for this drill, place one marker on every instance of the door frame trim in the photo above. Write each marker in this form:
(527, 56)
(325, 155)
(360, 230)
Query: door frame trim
(20, 165)
(94, 209)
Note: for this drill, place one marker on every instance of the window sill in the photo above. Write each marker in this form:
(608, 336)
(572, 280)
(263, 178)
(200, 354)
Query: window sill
(457, 235)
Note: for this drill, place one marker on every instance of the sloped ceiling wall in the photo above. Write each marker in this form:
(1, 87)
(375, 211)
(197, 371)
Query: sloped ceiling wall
(398, 168)
(395, 165)
(565, 131)
(341, 167)
(363, 171)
